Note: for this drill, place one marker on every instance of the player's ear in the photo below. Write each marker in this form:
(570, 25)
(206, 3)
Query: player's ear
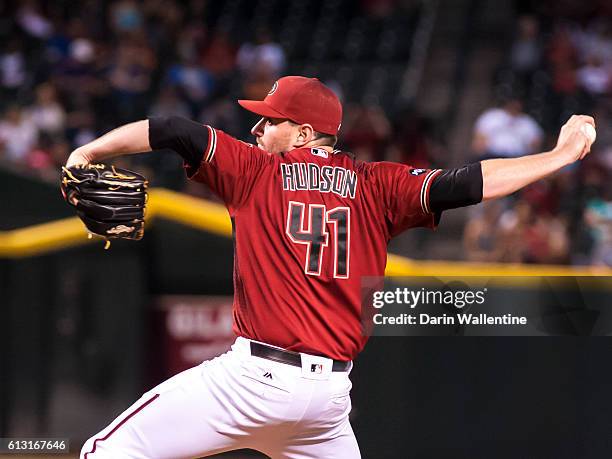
(305, 134)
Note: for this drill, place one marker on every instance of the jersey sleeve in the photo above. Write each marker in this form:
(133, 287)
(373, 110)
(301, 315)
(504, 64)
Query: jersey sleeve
(228, 166)
(404, 191)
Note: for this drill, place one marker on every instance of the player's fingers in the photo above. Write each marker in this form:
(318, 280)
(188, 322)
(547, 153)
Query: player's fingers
(584, 153)
(572, 120)
(588, 119)
(581, 119)
(587, 144)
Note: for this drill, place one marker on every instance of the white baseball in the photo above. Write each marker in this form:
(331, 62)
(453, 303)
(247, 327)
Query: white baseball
(589, 131)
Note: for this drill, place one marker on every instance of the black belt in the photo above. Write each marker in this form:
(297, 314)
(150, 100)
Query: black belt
(288, 357)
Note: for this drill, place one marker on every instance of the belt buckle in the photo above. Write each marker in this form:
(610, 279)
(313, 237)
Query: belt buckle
(315, 367)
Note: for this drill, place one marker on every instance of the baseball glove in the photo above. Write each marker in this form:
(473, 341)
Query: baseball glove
(110, 201)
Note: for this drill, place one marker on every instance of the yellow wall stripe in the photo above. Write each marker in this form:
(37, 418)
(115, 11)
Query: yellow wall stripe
(401, 266)
(40, 239)
(189, 211)
(212, 217)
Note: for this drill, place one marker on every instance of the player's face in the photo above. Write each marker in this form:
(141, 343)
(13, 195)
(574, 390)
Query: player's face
(275, 135)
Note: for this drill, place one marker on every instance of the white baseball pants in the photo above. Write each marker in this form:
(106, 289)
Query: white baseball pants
(237, 401)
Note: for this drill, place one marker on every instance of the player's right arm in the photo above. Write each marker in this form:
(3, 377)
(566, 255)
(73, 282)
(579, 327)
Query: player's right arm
(126, 139)
(187, 138)
(228, 166)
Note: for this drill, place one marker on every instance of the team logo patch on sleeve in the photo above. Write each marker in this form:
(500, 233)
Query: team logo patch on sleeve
(417, 171)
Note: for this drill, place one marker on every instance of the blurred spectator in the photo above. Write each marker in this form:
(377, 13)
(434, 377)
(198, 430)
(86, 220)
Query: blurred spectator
(220, 56)
(80, 121)
(47, 113)
(192, 82)
(191, 41)
(32, 21)
(564, 79)
(126, 16)
(562, 58)
(596, 39)
(506, 132)
(168, 104)
(518, 234)
(412, 141)
(56, 46)
(526, 50)
(545, 240)
(543, 195)
(85, 133)
(561, 48)
(13, 72)
(46, 159)
(130, 76)
(18, 134)
(165, 17)
(597, 199)
(598, 218)
(263, 55)
(594, 77)
(77, 73)
(513, 223)
(222, 114)
(257, 84)
(481, 241)
(366, 131)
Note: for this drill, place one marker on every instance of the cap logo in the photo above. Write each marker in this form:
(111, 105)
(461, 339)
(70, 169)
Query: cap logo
(274, 88)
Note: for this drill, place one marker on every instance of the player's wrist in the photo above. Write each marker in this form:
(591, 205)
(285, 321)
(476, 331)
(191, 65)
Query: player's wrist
(78, 157)
(564, 155)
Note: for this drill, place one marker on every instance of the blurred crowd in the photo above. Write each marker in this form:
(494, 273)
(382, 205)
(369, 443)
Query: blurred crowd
(559, 63)
(67, 75)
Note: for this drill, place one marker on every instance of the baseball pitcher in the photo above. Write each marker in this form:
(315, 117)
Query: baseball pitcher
(309, 222)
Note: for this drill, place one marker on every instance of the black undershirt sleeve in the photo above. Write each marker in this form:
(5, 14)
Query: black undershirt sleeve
(188, 138)
(456, 188)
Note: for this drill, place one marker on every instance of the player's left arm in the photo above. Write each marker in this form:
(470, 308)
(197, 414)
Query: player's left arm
(501, 177)
(496, 178)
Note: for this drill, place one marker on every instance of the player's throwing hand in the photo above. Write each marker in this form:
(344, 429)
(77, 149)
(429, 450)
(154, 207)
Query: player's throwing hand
(576, 137)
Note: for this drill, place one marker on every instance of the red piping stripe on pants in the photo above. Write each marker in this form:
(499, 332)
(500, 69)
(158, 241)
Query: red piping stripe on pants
(127, 418)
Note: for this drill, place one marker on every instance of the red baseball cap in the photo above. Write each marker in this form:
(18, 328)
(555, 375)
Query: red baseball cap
(301, 100)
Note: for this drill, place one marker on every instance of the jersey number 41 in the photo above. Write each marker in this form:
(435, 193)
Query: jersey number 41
(316, 237)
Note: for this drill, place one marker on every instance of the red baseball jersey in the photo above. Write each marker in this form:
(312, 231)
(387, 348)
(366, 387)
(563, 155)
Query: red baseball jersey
(308, 225)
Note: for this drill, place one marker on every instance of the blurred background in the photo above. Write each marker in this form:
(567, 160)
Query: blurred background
(431, 83)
